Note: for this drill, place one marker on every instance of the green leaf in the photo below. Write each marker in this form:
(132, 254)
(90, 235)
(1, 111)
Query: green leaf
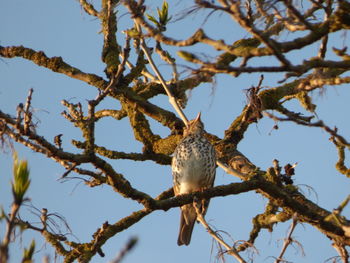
(28, 253)
(21, 182)
(163, 17)
(152, 19)
(186, 56)
(163, 14)
(2, 213)
(133, 33)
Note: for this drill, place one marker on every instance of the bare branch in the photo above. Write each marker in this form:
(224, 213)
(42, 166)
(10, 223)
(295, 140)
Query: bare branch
(128, 247)
(88, 8)
(288, 240)
(231, 250)
(172, 99)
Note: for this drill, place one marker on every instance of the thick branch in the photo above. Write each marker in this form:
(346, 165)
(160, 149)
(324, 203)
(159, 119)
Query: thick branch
(56, 64)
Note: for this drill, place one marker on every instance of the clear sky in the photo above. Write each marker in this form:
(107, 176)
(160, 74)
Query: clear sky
(61, 28)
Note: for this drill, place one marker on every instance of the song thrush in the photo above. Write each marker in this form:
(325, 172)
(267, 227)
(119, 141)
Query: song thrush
(193, 169)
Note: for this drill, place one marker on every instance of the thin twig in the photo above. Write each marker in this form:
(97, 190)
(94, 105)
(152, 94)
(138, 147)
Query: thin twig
(318, 124)
(68, 171)
(231, 171)
(4, 245)
(89, 8)
(343, 253)
(171, 97)
(144, 71)
(289, 5)
(115, 78)
(323, 47)
(288, 240)
(128, 247)
(230, 250)
(343, 204)
(27, 113)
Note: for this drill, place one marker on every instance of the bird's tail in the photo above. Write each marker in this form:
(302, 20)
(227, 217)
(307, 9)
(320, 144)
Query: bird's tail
(188, 218)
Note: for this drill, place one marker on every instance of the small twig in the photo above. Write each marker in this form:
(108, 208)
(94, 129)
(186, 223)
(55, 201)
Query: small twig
(343, 205)
(297, 14)
(336, 214)
(288, 240)
(343, 253)
(68, 171)
(230, 250)
(171, 61)
(276, 167)
(319, 124)
(58, 141)
(27, 113)
(4, 245)
(89, 8)
(231, 171)
(19, 115)
(171, 97)
(115, 78)
(144, 71)
(43, 217)
(271, 44)
(323, 47)
(29, 100)
(105, 92)
(93, 103)
(128, 247)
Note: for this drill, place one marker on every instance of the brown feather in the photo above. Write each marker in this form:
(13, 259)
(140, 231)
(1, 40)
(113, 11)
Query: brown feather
(188, 218)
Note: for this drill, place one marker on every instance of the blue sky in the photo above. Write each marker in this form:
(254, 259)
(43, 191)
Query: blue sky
(61, 28)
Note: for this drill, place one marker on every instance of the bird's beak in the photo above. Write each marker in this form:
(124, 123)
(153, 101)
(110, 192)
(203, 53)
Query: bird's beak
(198, 118)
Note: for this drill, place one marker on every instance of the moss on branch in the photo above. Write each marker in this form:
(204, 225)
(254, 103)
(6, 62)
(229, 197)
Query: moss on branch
(55, 64)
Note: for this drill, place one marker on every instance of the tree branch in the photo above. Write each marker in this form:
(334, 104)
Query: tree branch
(56, 64)
(288, 240)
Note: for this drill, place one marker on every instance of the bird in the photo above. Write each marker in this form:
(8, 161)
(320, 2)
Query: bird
(193, 169)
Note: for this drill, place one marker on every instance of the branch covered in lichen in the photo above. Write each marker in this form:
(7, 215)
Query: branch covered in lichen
(56, 64)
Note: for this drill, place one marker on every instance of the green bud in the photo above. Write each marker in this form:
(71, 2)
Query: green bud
(28, 253)
(21, 180)
(152, 19)
(163, 17)
(186, 56)
(133, 33)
